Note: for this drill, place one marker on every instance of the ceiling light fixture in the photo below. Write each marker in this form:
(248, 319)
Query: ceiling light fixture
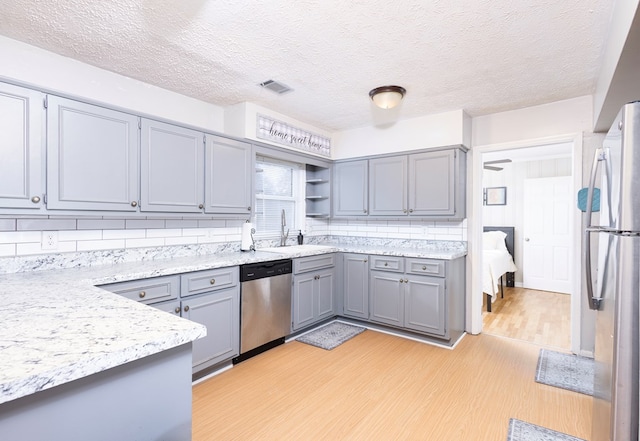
(387, 97)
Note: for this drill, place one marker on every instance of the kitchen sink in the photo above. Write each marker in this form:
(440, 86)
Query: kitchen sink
(296, 249)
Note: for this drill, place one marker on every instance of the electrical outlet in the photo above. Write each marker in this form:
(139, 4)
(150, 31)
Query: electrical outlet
(49, 240)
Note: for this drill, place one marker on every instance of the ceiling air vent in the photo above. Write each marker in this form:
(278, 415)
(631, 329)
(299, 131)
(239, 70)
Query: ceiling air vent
(276, 87)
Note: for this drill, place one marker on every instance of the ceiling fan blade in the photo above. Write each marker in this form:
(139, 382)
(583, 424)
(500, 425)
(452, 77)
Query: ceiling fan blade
(498, 161)
(489, 167)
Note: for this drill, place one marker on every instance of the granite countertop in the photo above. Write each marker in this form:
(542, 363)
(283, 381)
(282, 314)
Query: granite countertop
(59, 327)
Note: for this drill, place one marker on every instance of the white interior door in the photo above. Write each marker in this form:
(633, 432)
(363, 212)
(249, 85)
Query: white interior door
(547, 234)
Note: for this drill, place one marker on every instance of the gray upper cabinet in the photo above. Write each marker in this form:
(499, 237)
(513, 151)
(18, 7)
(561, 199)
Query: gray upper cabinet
(351, 188)
(430, 184)
(92, 157)
(388, 186)
(436, 184)
(228, 176)
(172, 168)
(22, 147)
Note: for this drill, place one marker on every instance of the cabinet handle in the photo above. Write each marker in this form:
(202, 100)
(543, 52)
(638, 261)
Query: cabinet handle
(365, 260)
(186, 308)
(410, 210)
(142, 294)
(248, 208)
(405, 210)
(401, 280)
(406, 281)
(201, 206)
(364, 211)
(212, 281)
(424, 267)
(134, 203)
(386, 264)
(35, 199)
(177, 310)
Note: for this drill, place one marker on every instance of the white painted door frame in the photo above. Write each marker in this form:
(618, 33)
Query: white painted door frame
(474, 221)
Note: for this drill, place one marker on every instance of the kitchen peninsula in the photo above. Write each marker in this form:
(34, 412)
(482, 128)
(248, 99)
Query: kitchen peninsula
(75, 359)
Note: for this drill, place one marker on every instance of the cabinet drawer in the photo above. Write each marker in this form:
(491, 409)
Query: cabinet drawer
(387, 263)
(209, 280)
(312, 263)
(157, 289)
(428, 267)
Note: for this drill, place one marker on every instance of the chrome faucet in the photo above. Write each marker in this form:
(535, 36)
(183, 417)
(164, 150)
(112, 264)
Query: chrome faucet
(283, 235)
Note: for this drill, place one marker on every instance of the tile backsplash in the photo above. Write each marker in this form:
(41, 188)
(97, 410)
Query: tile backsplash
(24, 236)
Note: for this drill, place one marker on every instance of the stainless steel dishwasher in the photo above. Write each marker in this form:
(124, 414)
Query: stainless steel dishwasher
(265, 306)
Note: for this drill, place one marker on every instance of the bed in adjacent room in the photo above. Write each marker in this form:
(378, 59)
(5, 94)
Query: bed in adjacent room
(497, 260)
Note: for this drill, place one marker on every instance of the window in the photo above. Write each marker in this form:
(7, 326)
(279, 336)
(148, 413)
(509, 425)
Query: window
(278, 187)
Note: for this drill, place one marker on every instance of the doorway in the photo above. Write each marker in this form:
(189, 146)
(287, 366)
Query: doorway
(545, 160)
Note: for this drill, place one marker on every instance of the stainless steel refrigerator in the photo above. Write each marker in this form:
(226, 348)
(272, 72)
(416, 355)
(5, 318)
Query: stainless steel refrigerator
(617, 279)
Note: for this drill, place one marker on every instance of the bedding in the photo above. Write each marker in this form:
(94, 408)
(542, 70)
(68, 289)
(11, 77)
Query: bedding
(496, 261)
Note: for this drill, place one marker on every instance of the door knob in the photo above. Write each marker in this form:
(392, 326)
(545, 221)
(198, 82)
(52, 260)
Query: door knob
(526, 239)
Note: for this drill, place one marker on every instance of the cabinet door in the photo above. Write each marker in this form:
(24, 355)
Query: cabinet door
(172, 307)
(424, 304)
(172, 171)
(228, 176)
(92, 157)
(356, 285)
(432, 181)
(303, 300)
(22, 147)
(325, 283)
(219, 311)
(388, 186)
(387, 298)
(351, 188)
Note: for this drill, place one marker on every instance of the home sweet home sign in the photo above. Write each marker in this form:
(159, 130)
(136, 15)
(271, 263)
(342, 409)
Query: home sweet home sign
(284, 134)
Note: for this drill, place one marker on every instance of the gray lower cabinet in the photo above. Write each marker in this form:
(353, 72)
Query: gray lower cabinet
(387, 298)
(172, 168)
(92, 157)
(210, 297)
(228, 176)
(219, 311)
(355, 290)
(351, 188)
(424, 295)
(22, 145)
(313, 290)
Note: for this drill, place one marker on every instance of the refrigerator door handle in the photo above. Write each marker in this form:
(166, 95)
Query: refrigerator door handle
(594, 303)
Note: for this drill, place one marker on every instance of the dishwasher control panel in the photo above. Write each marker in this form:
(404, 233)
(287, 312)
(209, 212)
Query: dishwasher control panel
(261, 270)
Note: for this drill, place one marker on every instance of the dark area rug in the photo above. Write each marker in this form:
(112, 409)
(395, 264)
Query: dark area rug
(565, 371)
(522, 431)
(331, 335)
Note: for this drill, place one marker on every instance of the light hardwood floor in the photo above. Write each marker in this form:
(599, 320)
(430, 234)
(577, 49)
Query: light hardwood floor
(381, 387)
(539, 317)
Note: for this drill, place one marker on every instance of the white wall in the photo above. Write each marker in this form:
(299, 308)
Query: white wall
(38, 68)
(557, 118)
(442, 129)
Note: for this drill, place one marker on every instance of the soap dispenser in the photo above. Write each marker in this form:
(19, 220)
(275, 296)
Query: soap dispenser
(300, 238)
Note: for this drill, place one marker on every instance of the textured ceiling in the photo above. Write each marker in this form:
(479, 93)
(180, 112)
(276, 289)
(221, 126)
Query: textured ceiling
(483, 56)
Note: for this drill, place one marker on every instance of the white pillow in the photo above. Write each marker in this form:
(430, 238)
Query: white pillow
(494, 240)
